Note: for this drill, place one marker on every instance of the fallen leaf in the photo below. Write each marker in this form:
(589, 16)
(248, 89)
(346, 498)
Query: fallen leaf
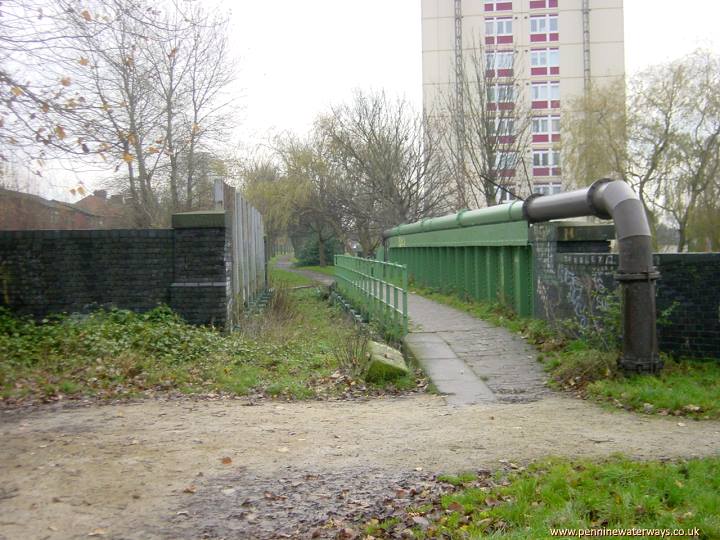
(456, 507)
(97, 532)
(283, 449)
(226, 460)
(190, 489)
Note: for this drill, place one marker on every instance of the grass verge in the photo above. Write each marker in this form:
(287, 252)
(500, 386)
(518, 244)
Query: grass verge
(327, 270)
(686, 387)
(286, 278)
(289, 351)
(619, 493)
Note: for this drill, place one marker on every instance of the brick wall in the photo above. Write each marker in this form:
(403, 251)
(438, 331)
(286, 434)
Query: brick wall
(575, 285)
(186, 267)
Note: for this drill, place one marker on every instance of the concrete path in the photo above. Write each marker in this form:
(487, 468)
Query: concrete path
(469, 360)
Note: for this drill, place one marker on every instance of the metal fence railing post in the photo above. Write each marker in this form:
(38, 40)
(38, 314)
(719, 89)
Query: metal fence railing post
(374, 288)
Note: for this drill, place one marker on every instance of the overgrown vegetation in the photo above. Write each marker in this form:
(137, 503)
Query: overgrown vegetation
(561, 494)
(585, 362)
(288, 351)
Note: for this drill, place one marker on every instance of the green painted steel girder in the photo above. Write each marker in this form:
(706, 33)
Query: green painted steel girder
(503, 213)
(515, 233)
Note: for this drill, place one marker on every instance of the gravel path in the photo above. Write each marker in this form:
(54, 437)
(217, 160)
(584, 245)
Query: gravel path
(154, 469)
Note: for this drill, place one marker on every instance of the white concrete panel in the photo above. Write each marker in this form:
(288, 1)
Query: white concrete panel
(570, 26)
(429, 8)
(430, 34)
(435, 97)
(446, 8)
(473, 31)
(607, 59)
(606, 25)
(437, 67)
(571, 60)
(571, 89)
(602, 4)
(473, 7)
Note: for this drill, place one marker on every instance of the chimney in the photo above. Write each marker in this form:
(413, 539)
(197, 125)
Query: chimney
(100, 193)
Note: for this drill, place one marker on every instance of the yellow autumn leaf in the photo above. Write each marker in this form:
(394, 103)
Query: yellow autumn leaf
(60, 132)
(132, 139)
(16, 90)
(152, 150)
(84, 61)
(127, 157)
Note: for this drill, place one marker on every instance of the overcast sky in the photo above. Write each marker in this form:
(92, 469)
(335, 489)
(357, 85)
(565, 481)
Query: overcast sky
(297, 58)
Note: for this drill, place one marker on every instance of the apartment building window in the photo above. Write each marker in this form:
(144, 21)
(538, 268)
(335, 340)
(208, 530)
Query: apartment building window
(505, 163)
(544, 28)
(545, 61)
(546, 95)
(499, 63)
(504, 129)
(498, 30)
(546, 162)
(543, 4)
(546, 128)
(550, 188)
(501, 96)
(498, 5)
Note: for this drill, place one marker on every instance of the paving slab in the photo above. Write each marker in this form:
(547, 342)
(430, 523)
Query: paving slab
(488, 363)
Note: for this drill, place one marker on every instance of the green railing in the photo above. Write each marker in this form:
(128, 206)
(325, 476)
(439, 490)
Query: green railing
(377, 289)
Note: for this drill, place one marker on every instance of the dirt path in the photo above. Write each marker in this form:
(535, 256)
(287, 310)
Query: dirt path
(122, 470)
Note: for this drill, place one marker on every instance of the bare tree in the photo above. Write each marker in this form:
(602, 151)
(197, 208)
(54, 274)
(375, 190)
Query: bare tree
(388, 159)
(491, 129)
(136, 85)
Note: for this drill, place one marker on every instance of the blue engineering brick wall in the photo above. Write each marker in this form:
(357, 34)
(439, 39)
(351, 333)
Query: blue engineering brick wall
(44, 272)
(573, 285)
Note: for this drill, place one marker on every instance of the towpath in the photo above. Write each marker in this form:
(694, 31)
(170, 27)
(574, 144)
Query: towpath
(469, 360)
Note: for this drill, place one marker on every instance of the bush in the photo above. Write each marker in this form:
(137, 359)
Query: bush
(309, 253)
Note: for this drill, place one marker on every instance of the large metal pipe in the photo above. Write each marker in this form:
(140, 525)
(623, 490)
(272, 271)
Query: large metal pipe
(616, 200)
(606, 199)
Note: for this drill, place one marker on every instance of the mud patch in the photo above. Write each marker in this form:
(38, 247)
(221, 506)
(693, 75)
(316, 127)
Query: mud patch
(297, 504)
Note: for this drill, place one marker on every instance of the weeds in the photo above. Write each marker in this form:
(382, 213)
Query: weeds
(352, 353)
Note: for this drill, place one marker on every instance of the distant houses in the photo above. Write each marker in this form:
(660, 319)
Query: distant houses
(23, 211)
